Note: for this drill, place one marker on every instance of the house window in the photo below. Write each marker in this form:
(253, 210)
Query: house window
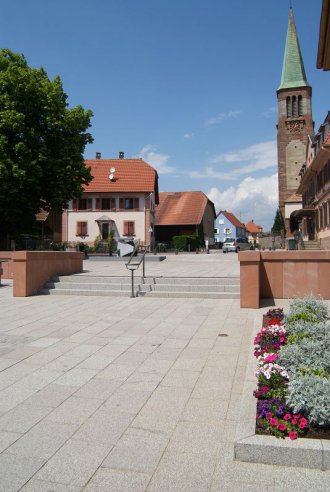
(129, 228)
(105, 203)
(129, 203)
(82, 204)
(81, 229)
(227, 231)
(216, 231)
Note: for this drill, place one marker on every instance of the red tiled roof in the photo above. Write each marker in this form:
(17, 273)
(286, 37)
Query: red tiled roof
(253, 228)
(181, 208)
(131, 175)
(231, 217)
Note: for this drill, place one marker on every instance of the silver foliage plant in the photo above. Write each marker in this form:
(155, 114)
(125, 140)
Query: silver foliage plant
(311, 394)
(314, 307)
(307, 359)
(308, 353)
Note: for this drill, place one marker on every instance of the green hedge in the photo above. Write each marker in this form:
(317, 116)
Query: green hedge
(181, 242)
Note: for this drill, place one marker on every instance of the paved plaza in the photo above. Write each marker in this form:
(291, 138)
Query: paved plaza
(114, 394)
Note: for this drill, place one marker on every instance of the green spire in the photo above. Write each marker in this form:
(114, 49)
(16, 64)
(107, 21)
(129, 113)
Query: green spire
(293, 71)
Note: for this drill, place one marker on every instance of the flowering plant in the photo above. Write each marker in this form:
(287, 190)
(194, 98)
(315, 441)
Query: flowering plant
(275, 313)
(274, 417)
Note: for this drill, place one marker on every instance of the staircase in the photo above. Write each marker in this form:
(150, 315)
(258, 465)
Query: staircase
(188, 287)
(312, 245)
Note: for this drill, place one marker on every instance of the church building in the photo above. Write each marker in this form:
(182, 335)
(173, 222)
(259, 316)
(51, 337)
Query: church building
(295, 123)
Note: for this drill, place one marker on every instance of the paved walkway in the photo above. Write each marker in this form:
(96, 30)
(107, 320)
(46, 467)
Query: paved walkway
(129, 395)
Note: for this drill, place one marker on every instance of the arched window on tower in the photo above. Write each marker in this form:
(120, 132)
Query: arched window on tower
(300, 106)
(294, 106)
(288, 107)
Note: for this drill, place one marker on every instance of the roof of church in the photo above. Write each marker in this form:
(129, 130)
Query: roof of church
(293, 71)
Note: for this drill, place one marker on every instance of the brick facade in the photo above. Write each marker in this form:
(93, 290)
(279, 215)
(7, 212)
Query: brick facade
(292, 132)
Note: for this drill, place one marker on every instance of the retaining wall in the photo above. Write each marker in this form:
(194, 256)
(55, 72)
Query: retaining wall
(283, 275)
(30, 270)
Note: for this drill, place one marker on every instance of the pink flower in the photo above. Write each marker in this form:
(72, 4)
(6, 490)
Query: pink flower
(294, 421)
(302, 426)
(282, 427)
(273, 422)
(303, 421)
(265, 388)
(287, 416)
(269, 415)
(292, 435)
(297, 416)
(282, 339)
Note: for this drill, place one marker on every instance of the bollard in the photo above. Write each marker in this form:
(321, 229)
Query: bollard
(176, 251)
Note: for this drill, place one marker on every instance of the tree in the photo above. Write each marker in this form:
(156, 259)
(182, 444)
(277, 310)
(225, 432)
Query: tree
(41, 144)
(278, 225)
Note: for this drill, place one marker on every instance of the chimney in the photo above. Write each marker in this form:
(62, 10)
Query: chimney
(98, 155)
(121, 155)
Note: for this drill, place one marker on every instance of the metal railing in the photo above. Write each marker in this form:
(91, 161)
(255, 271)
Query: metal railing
(132, 266)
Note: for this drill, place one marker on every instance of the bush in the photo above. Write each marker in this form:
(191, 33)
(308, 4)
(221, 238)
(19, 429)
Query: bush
(311, 395)
(308, 353)
(307, 309)
(305, 329)
(182, 242)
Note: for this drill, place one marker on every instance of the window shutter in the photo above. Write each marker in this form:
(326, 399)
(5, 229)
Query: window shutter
(113, 204)
(121, 203)
(78, 229)
(74, 204)
(89, 203)
(132, 228)
(98, 203)
(125, 228)
(136, 203)
(84, 228)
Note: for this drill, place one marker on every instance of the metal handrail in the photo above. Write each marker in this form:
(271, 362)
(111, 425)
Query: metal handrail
(136, 266)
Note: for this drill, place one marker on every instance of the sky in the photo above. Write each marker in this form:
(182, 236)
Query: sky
(188, 85)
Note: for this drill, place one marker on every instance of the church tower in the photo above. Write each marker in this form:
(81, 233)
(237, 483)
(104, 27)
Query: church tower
(295, 120)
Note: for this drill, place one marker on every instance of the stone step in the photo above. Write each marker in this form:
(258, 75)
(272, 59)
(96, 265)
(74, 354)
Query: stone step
(81, 292)
(192, 295)
(189, 288)
(148, 280)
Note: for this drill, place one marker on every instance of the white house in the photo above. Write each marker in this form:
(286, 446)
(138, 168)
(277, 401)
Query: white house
(120, 198)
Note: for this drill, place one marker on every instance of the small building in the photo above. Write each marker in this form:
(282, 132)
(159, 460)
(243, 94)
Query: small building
(227, 225)
(184, 213)
(120, 200)
(254, 231)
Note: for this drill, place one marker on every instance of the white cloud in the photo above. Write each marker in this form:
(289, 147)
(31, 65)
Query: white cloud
(270, 112)
(214, 120)
(156, 159)
(253, 198)
(188, 136)
(257, 157)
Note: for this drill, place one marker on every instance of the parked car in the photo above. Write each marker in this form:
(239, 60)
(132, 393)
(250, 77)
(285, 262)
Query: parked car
(239, 244)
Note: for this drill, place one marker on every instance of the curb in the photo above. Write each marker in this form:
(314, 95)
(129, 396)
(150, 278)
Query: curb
(269, 450)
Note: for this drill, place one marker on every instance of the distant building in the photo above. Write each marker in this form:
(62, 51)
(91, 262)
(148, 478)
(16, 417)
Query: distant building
(253, 231)
(184, 213)
(227, 225)
(120, 198)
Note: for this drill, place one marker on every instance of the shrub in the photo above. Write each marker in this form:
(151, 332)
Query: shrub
(308, 353)
(303, 329)
(308, 309)
(311, 395)
(182, 242)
